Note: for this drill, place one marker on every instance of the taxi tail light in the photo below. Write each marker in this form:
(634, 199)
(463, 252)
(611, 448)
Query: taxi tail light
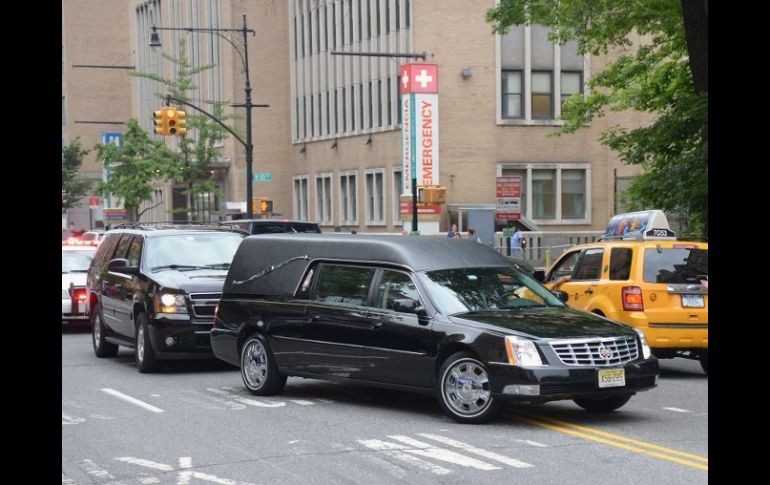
(632, 299)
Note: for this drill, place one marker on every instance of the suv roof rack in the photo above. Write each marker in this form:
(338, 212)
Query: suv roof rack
(160, 225)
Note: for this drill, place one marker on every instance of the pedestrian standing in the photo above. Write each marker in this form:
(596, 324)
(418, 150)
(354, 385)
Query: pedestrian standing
(472, 236)
(516, 240)
(453, 232)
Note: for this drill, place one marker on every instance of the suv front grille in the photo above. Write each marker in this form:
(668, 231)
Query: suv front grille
(203, 304)
(602, 352)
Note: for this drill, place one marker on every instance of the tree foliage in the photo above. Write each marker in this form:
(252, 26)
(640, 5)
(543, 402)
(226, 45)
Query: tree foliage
(656, 77)
(72, 186)
(134, 166)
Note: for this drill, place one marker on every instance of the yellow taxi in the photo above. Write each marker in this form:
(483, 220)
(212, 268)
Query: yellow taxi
(639, 273)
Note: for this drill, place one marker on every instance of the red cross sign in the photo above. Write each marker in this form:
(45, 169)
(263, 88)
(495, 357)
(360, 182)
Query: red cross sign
(419, 78)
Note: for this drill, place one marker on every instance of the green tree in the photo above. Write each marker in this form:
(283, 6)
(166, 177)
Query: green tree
(197, 151)
(133, 167)
(657, 78)
(72, 186)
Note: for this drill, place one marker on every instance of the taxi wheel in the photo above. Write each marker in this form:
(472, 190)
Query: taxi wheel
(704, 362)
(603, 404)
(144, 354)
(258, 369)
(102, 348)
(464, 391)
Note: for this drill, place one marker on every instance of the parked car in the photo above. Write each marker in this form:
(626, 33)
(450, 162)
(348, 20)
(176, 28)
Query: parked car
(93, 238)
(646, 278)
(75, 261)
(155, 289)
(273, 226)
(418, 313)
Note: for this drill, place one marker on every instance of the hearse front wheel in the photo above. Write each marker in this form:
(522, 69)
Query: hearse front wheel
(258, 370)
(603, 404)
(464, 392)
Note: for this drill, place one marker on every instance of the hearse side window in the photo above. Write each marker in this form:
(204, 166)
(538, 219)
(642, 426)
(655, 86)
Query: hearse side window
(620, 263)
(304, 290)
(347, 285)
(590, 265)
(395, 286)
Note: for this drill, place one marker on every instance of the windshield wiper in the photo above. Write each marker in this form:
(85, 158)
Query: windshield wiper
(180, 267)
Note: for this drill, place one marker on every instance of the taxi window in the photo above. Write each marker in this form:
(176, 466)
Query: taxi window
(620, 263)
(675, 265)
(590, 267)
(565, 266)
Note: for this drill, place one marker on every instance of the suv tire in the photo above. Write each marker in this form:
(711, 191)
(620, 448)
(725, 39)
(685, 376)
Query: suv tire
(603, 404)
(258, 369)
(102, 348)
(144, 354)
(467, 399)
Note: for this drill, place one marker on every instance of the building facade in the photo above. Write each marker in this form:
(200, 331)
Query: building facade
(328, 148)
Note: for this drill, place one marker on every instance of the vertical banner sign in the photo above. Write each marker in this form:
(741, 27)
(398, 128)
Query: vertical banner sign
(508, 198)
(116, 138)
(419, 127)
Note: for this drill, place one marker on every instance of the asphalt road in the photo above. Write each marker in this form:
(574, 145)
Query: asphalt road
(195, 423)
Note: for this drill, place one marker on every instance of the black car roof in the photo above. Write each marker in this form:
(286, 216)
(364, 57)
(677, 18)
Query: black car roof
(290, 255)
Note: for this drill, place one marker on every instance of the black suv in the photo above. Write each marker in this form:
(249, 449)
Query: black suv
(155, 289)
(273, 226)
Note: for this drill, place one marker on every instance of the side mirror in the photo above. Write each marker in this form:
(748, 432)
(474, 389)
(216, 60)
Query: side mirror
(405, 305)
(561, 295)
(539, 275)
(120, 265)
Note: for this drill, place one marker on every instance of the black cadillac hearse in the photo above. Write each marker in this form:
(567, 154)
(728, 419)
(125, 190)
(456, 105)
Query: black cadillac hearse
(418, 313)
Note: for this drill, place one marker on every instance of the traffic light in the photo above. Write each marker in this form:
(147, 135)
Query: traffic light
(261, 205)
(171, 120)
(181, 123)
(159, 121)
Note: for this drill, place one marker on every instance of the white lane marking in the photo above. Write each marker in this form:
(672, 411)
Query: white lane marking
(148, 480)
(67, 419)
(393, 450)
(155, 395)
(132, 400)
(146, 463)
(292, 442)
(428, 451)
(677, 410)
(534, 443)
(185, 462)
(96, 471)
(327, 401)
(250, 402)
(183, 477)
(99, 416)
(476, 451)
(206, 397)
(67, 481)
(302, 402)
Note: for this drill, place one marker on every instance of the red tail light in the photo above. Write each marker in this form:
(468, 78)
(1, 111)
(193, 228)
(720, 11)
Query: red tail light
(80, 294)
(632, 299)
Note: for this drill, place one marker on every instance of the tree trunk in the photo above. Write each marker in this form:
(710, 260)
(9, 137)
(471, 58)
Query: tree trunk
(696, 31)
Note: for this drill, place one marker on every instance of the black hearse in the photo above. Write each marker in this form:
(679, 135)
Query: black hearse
(418, 313)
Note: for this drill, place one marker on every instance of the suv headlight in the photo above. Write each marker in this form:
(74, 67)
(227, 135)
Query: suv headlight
(645, 348)
(170, 303)
(522, 352)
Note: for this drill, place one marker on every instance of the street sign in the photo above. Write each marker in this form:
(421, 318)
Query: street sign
(93, 202)
(260, 177)
(114, 214)
(114, 137)
(508, 205)
(420, 128)
(405, 207)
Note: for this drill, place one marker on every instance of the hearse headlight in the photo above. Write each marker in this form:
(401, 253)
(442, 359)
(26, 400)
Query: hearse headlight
(170, 303)
(645, 347)
(522, 352)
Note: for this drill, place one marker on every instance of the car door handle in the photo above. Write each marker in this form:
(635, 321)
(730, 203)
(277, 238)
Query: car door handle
(589, 291)
(314, 319)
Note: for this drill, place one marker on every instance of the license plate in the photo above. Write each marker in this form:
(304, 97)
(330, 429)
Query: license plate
(692, 301)
(612, 378)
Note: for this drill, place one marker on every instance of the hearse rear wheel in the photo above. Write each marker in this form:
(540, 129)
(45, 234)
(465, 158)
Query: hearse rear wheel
(258, 370)
(464, 391)
(603, 404)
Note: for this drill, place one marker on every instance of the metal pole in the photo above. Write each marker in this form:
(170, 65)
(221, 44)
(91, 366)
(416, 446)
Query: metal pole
(249, 144)
(414, 204)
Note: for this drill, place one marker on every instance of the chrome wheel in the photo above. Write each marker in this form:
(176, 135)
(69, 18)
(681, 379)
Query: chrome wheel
(254, 364)
(466, 389)
(140, 343)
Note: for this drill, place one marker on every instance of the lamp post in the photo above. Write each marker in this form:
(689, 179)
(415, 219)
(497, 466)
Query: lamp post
(155, 42)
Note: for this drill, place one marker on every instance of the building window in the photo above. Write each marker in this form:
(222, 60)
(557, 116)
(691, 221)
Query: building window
(571, 83)
(300, 197)
(542, 96)
(553, 193)
(398, 187)
(323, 194)
(375, 196)
(348, 198)
(511, 94)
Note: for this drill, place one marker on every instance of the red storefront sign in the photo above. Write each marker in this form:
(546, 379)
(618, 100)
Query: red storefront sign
(406, 208)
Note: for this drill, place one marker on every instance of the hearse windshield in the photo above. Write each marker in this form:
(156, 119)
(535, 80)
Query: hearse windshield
(486, 289)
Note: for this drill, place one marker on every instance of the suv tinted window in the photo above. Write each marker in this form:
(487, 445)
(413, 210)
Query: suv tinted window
(134, 250)
(590, 265)
(620, 263)
(122, 246)
(104, 253)
(395, 286)
(348, 285)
